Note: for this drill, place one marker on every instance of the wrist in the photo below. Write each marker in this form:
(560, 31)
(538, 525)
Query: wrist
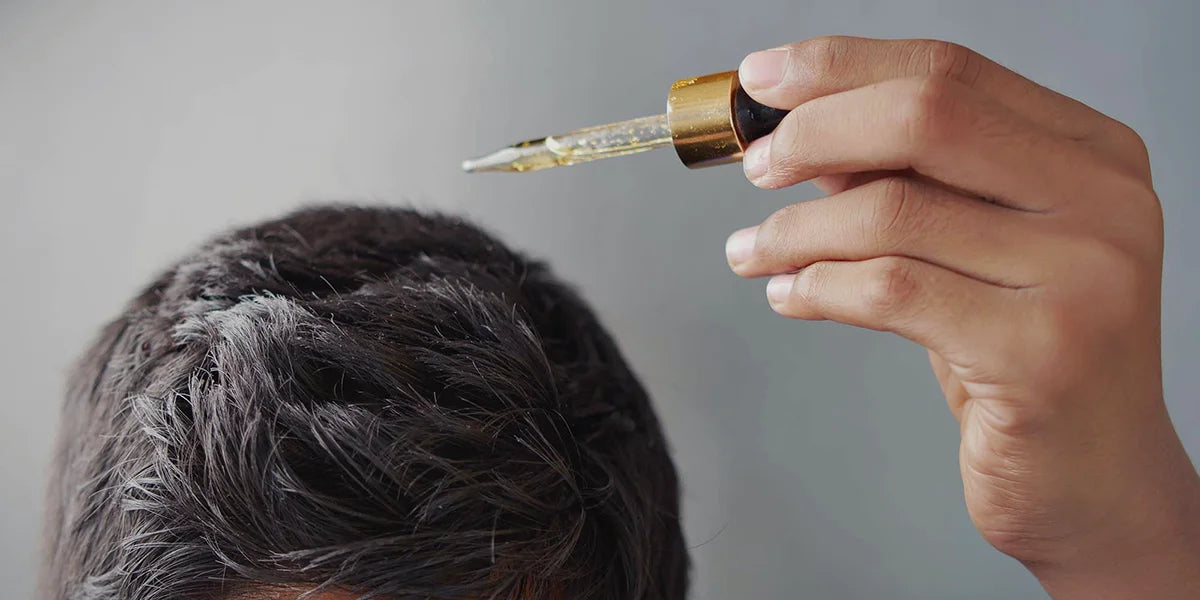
(1166, 575)
(1156, 556)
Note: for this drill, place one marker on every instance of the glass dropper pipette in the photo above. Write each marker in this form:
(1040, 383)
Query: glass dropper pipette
(581, 145)
(710, 120)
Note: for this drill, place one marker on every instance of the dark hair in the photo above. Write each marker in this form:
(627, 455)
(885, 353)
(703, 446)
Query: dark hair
(365, 399)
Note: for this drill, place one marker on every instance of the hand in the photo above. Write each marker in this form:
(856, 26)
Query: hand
(1014, 233)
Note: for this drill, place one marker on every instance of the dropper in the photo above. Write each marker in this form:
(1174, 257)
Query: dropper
(710, 120)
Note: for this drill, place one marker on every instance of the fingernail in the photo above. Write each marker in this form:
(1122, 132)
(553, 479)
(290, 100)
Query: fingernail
(779, 288)
(740, 246)
(756, 159)
(763, 69)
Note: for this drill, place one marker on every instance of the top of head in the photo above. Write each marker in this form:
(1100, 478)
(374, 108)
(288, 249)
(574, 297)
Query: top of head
(367, 400)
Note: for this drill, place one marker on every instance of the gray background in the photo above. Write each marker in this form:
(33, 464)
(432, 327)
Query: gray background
(819, 460)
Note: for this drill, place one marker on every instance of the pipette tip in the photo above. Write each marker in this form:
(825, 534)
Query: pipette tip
(483, 163)
(509, 158)
(474, 165)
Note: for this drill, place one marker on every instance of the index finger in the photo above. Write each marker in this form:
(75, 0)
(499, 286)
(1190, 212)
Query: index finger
(790, 75)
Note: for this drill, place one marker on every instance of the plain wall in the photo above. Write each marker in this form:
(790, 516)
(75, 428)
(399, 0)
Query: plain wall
(819, 461)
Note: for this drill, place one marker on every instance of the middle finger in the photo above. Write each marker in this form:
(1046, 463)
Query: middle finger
(897, 216)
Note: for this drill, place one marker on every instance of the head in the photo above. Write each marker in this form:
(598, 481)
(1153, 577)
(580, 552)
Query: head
(353, 402)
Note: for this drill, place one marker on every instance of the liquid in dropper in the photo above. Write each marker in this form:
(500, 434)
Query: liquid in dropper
(581, 145)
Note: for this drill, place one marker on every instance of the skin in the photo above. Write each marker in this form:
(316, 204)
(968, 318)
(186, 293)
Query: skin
(292, 593)
(1015, 234)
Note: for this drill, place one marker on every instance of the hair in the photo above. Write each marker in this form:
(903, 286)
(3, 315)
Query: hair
(368, 400)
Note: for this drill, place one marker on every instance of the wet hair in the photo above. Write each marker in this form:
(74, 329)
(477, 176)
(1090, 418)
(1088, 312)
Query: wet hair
(369, 400)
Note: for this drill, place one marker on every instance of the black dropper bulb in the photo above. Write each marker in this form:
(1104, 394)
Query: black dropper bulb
(752, 118)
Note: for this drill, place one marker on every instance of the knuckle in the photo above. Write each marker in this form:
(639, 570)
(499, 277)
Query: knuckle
(891, 212)
(1131, 143)
(930, 111)
(890, 287)
(770, 241)
(953, 61)
(809, 284)
(786, 155)
(819, 58)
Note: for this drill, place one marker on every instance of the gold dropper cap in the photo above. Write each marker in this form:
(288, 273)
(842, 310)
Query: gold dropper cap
(710, 120)
(701, 118)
